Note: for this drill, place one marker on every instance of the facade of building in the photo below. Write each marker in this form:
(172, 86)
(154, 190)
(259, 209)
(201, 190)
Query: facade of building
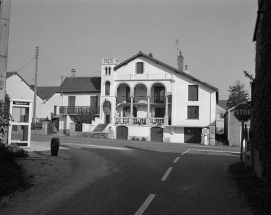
(17, 87)
(143, 98)
(76, 95)
(233, 128)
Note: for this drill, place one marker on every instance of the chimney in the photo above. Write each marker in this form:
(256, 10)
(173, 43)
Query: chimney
(186, 70)
(73, 73)
(180, 62)
(150, 54)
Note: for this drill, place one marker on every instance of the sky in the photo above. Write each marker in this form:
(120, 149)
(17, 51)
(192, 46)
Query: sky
(215, 37)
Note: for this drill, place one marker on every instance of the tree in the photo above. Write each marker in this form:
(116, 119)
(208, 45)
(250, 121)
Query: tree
(237, 94)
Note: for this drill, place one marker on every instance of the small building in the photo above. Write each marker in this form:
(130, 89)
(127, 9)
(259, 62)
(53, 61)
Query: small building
(233, 128)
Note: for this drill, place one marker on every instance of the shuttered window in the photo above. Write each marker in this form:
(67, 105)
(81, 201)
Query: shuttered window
(71, 101)
(193, 112)
(193, 93)
(94, 101)
(139, 68)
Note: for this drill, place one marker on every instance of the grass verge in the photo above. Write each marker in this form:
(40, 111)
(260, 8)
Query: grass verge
(255, 191)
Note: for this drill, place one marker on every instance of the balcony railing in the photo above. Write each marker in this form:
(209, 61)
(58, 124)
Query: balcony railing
(139, 121)
(144, 77)
(136, 99)
(158, 99)
(68, 110)
(122, 120)
(142, 100)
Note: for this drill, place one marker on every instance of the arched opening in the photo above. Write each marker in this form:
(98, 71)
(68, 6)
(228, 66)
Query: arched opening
(157, 134)
(109, 71)
(107, 112)
(122, 132)
(107, 88)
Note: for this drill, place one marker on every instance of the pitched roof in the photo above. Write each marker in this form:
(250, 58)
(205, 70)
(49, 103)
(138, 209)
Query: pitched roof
(80, 84)
(223, 104)
(9, 74)
(46, 92)
(141, 54)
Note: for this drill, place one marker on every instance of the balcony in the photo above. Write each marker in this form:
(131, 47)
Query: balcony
(142, 100)
(141, 121)
(68, 110)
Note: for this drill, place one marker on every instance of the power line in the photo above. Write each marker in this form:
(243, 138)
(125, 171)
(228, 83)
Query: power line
(26, 64)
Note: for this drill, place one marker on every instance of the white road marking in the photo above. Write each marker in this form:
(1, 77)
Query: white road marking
(175, 161)
(102, 147)
(214, 151)
(185, 152)
(167, 173)
(145, 205)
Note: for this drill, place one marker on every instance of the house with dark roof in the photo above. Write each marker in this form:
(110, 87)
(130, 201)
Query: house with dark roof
(146, 99)
(77, 94)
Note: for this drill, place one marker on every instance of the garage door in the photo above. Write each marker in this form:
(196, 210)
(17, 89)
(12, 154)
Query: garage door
(122, 132)
(157, 134)
(192, 135)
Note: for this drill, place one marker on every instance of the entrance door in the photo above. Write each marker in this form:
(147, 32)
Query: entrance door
(157, 134)
(107, 118)
(192, 135)
(122, 132)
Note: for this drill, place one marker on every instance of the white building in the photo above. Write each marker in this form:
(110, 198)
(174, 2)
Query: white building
(143, 98)
(46, 100)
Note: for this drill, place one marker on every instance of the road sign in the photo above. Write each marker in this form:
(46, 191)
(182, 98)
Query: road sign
(242, 112)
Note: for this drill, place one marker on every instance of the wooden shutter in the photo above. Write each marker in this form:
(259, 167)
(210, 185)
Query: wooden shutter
(139, 67)
(94, 101)
(71, 101)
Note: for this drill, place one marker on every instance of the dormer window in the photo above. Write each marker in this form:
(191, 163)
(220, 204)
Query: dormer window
(139, 68)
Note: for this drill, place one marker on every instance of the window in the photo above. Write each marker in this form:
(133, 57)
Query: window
(159, 94)
(192, 92)
(193, 112)
(107, 88)
(94, 101)
(71, 101)
(109, 70)
(139, 68)
(105, 70)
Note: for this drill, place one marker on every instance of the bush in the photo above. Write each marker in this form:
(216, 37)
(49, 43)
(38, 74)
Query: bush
(12, 175)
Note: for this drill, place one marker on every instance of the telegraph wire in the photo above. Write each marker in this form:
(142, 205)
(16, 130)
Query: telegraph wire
(26, 64)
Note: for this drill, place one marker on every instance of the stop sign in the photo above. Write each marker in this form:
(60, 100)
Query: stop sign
(242, 112)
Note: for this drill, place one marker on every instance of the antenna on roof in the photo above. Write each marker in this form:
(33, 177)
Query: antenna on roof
(177, 48)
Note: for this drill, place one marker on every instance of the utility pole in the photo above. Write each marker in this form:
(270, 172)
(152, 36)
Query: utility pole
(4, 35)
(35, 88)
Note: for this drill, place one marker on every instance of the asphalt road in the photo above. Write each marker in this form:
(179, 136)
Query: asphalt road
(154, 178)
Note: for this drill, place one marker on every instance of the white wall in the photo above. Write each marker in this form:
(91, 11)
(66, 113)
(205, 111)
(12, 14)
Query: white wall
(175, 134)
(137, 131)
(206, 102)
(16, 88)
(48, 107)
